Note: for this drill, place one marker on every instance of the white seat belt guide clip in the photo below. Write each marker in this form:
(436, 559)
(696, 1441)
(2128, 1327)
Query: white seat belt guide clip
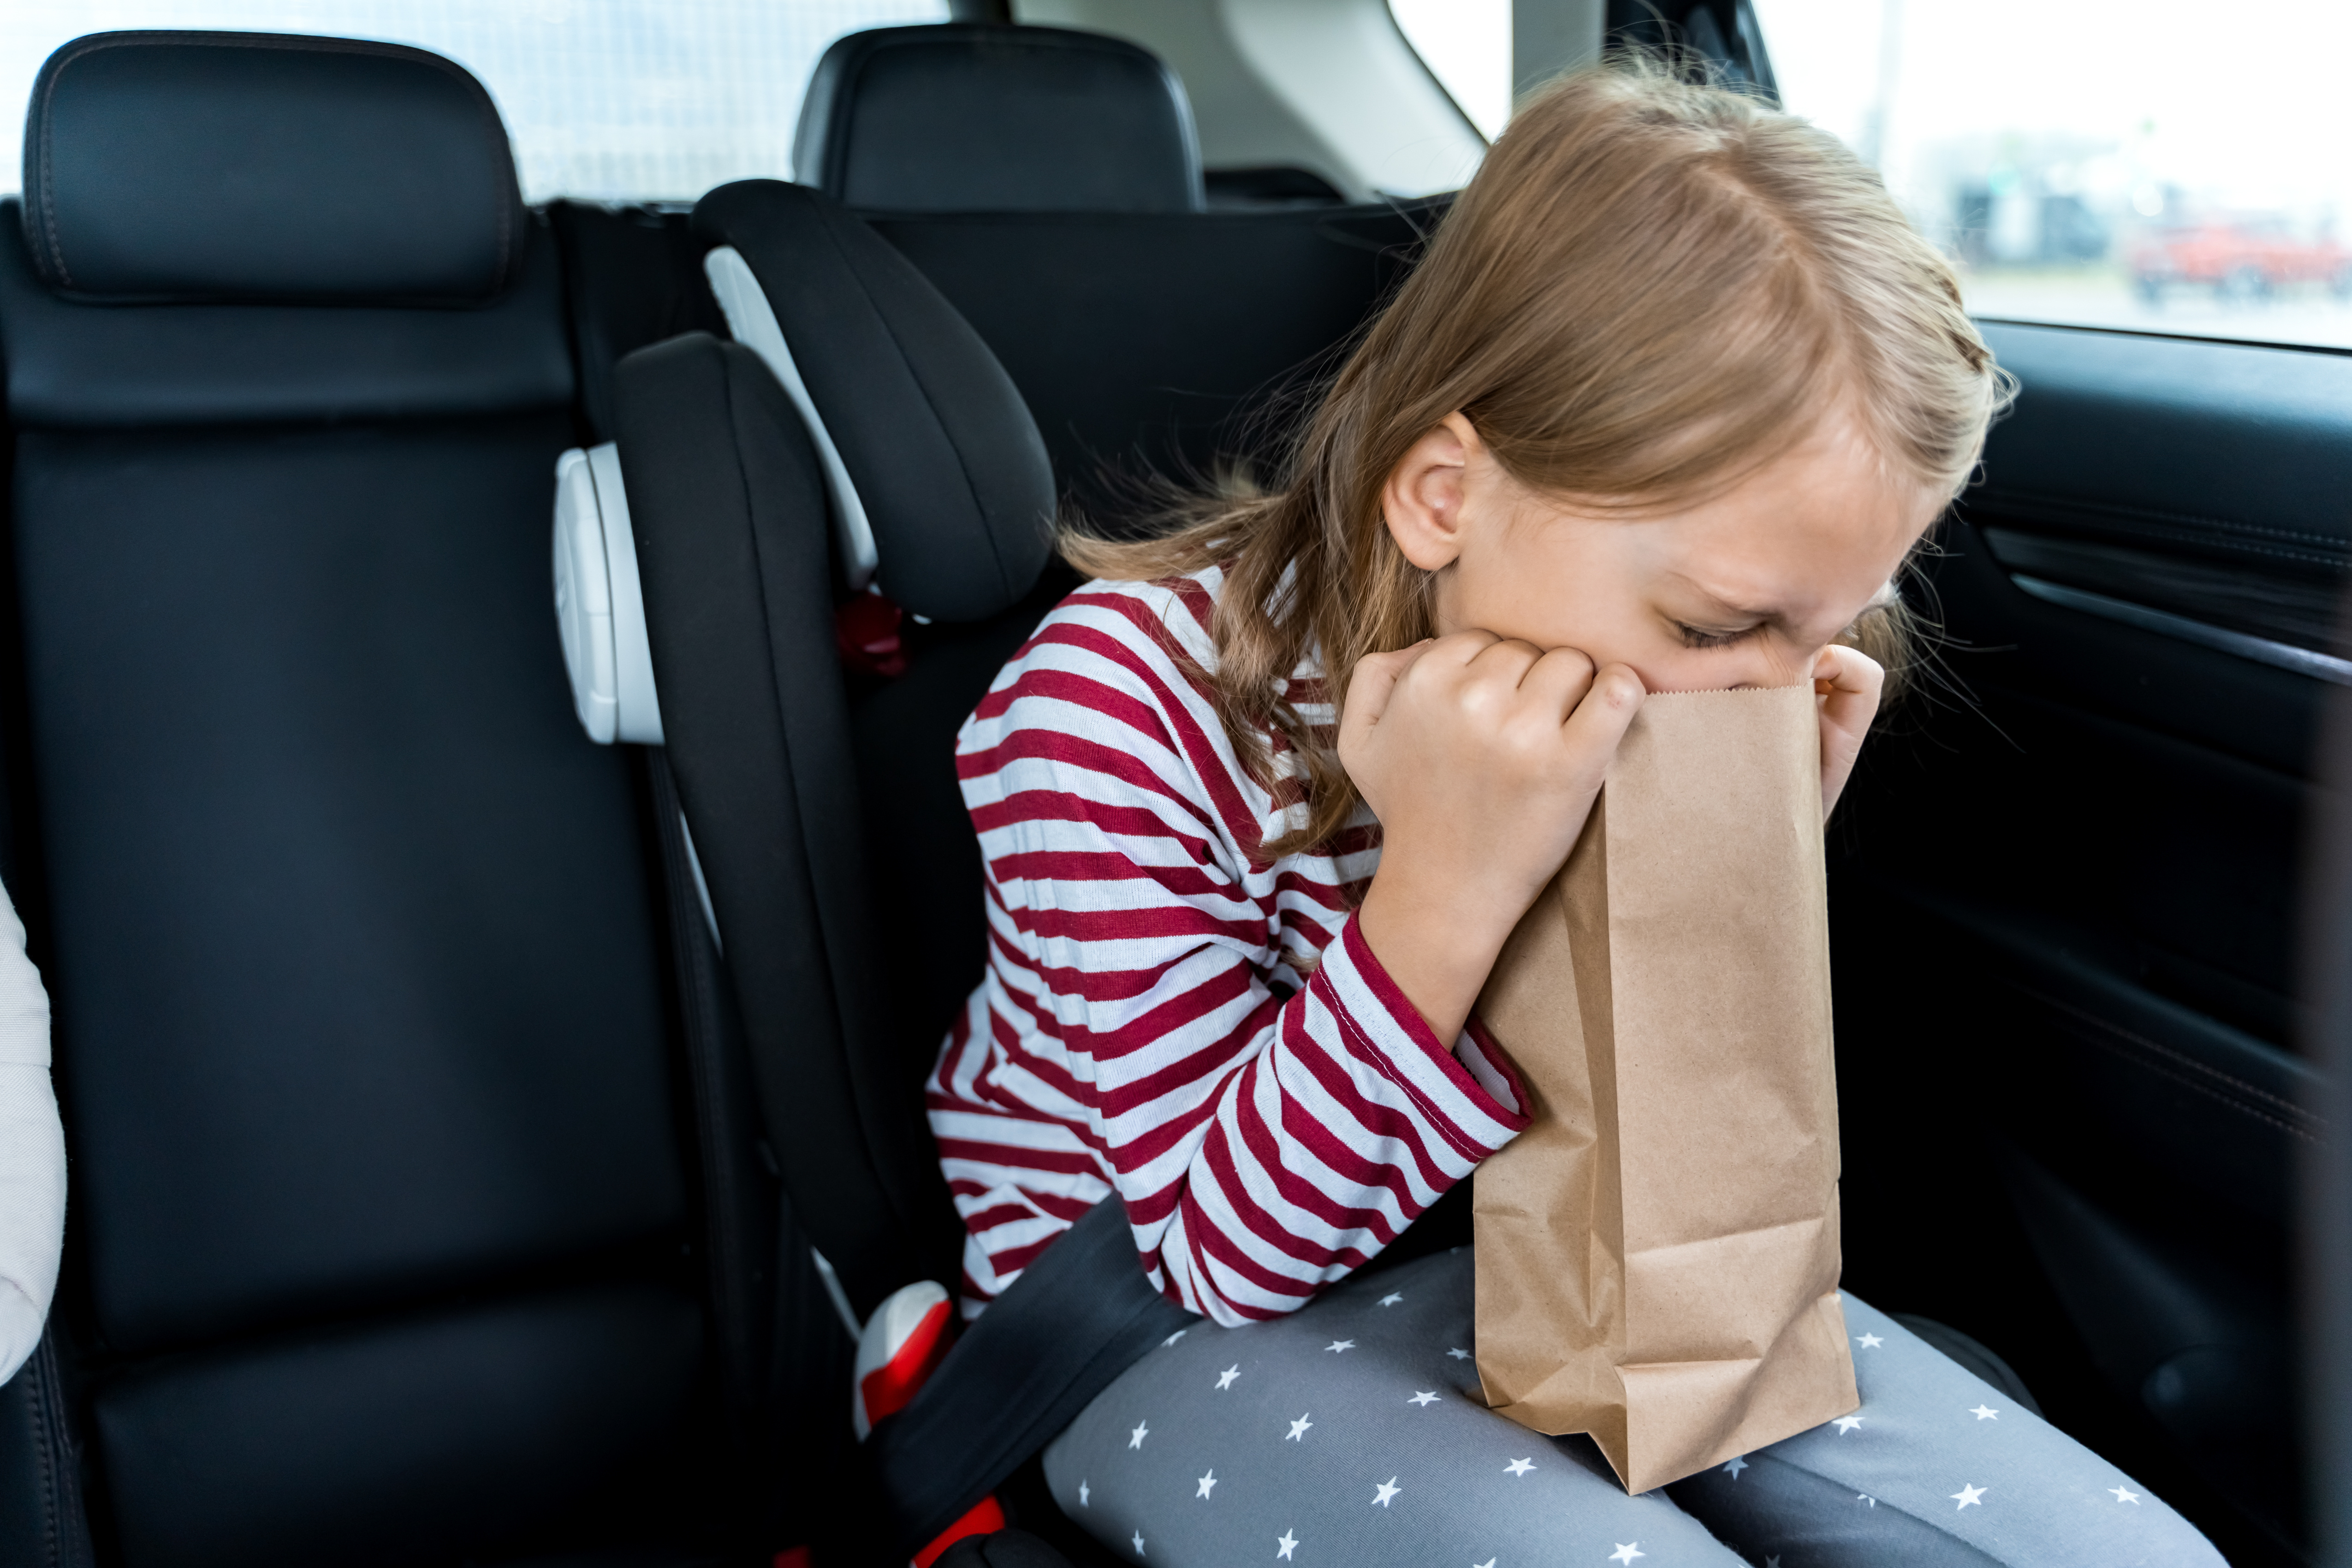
(600, 606)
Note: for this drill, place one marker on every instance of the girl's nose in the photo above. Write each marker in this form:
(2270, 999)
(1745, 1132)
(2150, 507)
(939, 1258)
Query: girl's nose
(1764, 661)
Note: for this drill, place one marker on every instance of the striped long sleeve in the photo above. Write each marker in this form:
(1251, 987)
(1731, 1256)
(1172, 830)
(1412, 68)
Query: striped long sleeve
(1167, 1015)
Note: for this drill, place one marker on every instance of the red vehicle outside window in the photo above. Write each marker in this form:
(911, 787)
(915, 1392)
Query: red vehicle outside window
(2240, 257)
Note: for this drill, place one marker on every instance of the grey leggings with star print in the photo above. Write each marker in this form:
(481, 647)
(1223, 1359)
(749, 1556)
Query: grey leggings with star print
(1350, 1434)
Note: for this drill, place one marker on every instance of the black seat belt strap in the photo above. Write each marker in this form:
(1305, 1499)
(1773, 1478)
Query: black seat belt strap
(1076, 1318)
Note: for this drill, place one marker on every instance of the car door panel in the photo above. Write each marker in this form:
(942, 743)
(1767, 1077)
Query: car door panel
(2065, 891)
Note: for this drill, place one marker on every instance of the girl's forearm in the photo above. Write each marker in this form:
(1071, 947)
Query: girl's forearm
(1437, 945)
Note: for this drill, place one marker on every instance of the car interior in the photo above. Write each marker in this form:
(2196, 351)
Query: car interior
(491, 1056)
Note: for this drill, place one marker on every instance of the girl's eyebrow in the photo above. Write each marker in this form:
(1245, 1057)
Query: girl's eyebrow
(1730, 609)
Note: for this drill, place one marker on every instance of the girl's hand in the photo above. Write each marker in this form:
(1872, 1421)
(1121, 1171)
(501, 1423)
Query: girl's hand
(1481, 757)
(1846, 684)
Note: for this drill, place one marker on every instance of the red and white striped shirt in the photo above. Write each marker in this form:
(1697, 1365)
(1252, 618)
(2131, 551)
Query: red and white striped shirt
(1153, 1022)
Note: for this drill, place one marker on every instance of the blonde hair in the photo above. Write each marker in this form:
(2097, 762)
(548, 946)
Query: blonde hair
(1651, 287)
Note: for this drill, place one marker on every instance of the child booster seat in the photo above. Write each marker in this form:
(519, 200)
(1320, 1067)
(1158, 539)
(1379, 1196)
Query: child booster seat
(856, 432)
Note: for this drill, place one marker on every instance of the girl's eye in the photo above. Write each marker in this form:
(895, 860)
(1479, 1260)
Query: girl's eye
(1696, 637)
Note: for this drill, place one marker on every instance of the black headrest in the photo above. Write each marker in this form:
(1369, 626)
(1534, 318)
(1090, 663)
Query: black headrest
(983, 117)
(208, 166)
(934, 436)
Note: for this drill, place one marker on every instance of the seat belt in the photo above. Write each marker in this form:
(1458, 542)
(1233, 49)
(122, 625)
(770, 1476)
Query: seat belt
(1076, 1317)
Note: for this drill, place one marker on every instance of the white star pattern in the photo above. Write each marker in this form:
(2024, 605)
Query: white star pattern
(1138, 1544)
(1340, 1345)
(1205, 1482)
(1298, 1429)
(1423, 1398)
(1135, 1438)
(1391, 1299)
(1845, 1424)
(1868, 1341)
(1865, 1500)
(1985, 1413)
(1518, 1466)
(1459, 1354)
(2125, 1494)
(1082, 1494)
(1488, 1563)
(1284, 1546)
(1171, 1340)
(1225, 1378)
(1969, 1497)
(1626, 1552)
(1733, 1469)
(1385, 1490)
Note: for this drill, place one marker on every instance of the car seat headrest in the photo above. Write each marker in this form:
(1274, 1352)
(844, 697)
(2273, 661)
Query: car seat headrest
(185, 166)
(982, 116)
(940, 483)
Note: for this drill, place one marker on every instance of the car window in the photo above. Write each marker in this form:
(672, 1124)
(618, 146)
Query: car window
(1467, 45)
(643, 99)
(2149, 168)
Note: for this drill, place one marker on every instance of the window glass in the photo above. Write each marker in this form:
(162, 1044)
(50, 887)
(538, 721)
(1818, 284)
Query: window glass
(1466, 44)
(2152, 166)
(605, 99)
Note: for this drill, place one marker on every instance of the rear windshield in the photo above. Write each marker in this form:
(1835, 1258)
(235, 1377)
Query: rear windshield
(610, 100)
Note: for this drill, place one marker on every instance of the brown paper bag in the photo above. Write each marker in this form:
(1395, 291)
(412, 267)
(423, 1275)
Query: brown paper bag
(1658, 1256)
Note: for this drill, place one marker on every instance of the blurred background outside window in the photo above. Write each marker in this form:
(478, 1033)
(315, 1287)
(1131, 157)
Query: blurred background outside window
(2139, 167)
(608, 99)
(2142, 166)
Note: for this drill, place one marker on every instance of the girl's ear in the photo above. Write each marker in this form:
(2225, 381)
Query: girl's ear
(1422, 502)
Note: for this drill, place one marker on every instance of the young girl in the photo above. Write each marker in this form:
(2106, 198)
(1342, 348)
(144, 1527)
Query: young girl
(1673, 396)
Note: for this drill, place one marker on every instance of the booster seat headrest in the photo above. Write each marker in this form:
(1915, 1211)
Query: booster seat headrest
(926, 441)
(193, 166)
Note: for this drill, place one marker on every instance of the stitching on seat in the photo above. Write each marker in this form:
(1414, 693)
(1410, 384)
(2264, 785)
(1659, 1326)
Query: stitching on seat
(2236, 546)
(47, 195)
(2235, 1083)
(46, 1426)
(2089, 1027)
(2206, 1089)
(1992, 497)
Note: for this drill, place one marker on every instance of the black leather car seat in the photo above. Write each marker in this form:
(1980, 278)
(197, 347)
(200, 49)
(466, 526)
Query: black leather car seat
(981, 116)
(381, 1245)
(843, 874)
